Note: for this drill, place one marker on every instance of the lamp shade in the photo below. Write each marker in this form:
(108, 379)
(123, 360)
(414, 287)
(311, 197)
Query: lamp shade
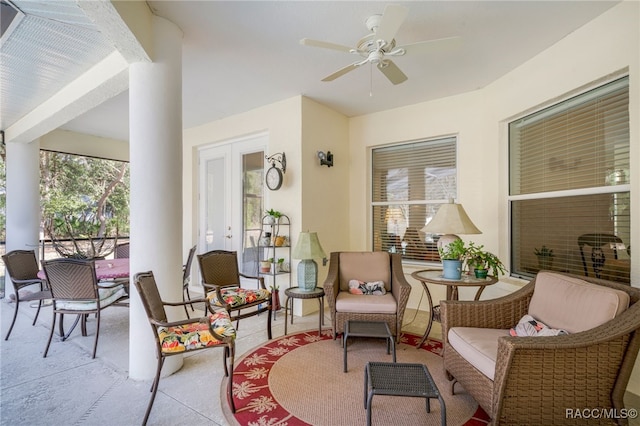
(451, 219)
(308, 247)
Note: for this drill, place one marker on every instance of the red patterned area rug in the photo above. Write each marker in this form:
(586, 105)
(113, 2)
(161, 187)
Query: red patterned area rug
(299, 380)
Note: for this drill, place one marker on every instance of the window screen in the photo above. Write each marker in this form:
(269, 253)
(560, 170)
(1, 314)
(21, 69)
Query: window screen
(569, 186)
(410, 182)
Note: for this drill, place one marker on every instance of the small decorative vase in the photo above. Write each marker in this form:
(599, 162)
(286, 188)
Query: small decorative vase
(451, 269)
(275, 300)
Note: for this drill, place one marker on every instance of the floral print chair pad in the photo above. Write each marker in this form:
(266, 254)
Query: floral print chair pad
(195, 335)
(236, 297)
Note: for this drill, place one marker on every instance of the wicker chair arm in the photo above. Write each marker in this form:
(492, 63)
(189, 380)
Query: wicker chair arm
(400, 287)
(503, 312)
(178, 323)
(534, 365)
(251, 277)
(331, 284)
(184, 303)
(19, 284)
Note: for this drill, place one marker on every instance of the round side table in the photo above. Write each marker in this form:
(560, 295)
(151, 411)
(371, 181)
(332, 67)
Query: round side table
(297, 293)
(435, 277)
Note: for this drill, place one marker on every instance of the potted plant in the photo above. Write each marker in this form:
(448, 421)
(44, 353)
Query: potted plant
(273, 216)
(280, 264)
(265, 266)
(275, 297)
(483, 261)
(545, 257)
(452, 255)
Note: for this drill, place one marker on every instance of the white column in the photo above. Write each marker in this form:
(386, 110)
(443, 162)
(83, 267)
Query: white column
(23, 196)
(155, 113)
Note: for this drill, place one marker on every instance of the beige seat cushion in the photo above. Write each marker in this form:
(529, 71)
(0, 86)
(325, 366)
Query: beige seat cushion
(573, 304)
(365, 266)
(359, 303)
(479, 346)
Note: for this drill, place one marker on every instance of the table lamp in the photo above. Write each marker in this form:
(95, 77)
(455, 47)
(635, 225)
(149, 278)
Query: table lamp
(450, 219)
(308, 248)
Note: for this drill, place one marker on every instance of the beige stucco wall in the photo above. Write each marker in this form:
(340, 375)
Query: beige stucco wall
(605, 48)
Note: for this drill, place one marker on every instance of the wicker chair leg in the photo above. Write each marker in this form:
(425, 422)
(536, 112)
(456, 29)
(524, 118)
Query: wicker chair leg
(95, 343)
(53, 326)
(269, 322)
(154, 390)
(15, 315)
(37, 312)
(232, 351)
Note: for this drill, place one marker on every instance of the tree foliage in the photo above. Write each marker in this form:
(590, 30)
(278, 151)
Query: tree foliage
(84, 200)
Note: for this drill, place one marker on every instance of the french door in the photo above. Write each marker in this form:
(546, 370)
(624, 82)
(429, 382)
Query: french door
(231, 198)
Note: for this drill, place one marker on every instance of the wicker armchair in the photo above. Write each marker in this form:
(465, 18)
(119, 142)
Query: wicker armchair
(537, 378)
(366, 266)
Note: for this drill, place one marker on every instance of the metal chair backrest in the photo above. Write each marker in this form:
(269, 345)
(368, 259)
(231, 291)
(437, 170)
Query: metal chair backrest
(72, 279)
(219, 267)
(150, 296)
(22, 265)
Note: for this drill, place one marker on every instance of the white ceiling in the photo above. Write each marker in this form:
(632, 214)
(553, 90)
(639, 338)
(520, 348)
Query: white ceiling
(239, 55)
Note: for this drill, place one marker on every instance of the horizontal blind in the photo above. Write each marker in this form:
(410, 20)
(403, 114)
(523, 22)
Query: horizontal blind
(409, 182)
(578, 146)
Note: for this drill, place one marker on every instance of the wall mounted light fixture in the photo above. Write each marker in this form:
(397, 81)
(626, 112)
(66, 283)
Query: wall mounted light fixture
(325, 159)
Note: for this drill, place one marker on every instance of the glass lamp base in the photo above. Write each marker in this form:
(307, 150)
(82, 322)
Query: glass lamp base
(307, 274)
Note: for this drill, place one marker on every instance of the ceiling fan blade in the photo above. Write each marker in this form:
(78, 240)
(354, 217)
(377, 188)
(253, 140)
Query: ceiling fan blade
(325, 45)
(391, 71)
(341, 72)
(392, 18)
(437, 45)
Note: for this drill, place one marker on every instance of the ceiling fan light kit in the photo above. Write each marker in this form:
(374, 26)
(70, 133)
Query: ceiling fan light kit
(380, 44)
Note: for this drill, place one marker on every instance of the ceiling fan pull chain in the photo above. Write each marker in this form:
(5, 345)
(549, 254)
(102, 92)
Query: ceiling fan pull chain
(370, 80)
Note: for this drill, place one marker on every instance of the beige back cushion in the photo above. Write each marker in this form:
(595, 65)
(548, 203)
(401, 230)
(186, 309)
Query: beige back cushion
(365, 266)
(573, 304)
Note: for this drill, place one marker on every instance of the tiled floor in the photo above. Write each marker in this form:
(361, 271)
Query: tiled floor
(68, 387)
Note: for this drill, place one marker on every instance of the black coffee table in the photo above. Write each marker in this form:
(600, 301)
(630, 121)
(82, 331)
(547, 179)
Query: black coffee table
(400, 379)
(375, 329)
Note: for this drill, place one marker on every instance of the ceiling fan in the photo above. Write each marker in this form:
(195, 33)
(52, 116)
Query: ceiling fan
(377, 47)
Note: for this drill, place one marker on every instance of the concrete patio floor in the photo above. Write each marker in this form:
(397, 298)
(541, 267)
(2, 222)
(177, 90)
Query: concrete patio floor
(69, 387)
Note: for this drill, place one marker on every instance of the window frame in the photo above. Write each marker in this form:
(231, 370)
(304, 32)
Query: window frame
(431, 255)
(601, 189)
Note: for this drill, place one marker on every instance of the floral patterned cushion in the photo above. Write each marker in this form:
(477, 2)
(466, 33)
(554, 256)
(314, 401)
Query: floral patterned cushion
(196, 335)
(236, 296)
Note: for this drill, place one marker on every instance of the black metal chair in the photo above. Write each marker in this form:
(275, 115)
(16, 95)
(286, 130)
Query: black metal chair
(75, 291)
(186, 279)
(213, 330)
(121, 251)
(597, 241)
(221, 282)
(22, 266)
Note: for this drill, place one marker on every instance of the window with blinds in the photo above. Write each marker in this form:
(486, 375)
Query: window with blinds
(569, 191)
(409, 183)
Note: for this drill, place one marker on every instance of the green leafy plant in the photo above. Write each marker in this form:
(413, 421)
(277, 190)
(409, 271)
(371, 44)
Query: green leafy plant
(275, 213)
(455, 250)
(481, 259)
